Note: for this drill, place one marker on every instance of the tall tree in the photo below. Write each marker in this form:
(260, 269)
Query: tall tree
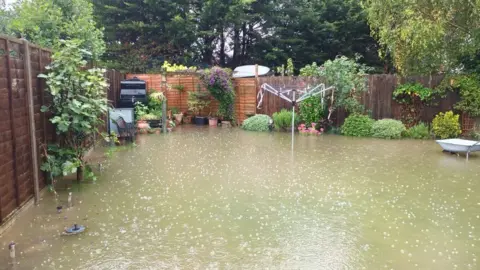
(46, 22)
(425, 36)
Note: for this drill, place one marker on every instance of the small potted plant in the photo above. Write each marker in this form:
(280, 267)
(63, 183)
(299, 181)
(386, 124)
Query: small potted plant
(212, 121)
(177, 115)
(140, 111)
(196, 102)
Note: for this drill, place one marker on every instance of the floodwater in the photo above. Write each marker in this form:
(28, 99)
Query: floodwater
(215, 198)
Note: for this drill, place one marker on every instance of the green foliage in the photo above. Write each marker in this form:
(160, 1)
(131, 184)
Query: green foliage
(349, 80)
(218, 83)
(419, 131)
(197, 101)
(408, 93)
(423, 36)
(311, 110)
(358, 125)
(258, 122)
(176, 68)
(78, 103)
(140, 110)
(446, 125)
(310, 70)
(175, 110)
(47, 22)
(469, 87)
(414, 97)
(155, 100)
(290, 68)
(283, 120)
(141, 35)
(388, 129)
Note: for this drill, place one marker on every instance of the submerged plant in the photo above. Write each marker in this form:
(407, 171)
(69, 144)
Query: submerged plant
(388, 129)
(358, 125)
(258, 122)
(446, 125)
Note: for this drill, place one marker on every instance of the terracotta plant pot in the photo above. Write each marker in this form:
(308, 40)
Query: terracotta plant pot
(213, 122)
(141, 124)
(178, 117)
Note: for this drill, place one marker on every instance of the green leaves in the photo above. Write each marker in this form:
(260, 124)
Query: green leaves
(425, 36)
(47, 22)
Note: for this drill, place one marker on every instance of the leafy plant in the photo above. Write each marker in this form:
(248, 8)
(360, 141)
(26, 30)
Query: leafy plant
(469, 88)
(388, 129)
(168, 67)
(283, 120)
(258, 122)
(179, 87)
(358, 125)
(197, 101)
(155, 100)
(311, 110)
(413, 98)
(218, 83)
(174, 110)
(78, 103)
(446, 125)
(310, 70)
(290, 68)
(348, 78)
(419, 131)
(151, 116)
(140, 110)
(47, 22)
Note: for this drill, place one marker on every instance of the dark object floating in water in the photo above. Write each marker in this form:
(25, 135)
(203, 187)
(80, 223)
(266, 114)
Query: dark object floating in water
(59, 209)
(75, 229)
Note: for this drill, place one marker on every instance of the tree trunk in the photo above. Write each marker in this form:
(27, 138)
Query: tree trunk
(236, 46)
(208, 50)
(244, 42)
(222, 48)
(80, 174)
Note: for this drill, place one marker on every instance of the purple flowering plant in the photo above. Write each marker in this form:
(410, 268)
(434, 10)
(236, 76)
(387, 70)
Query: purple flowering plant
(219, 84)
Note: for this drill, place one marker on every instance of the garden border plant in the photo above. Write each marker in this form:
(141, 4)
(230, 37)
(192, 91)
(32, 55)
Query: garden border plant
(78, 103)
(218, 83)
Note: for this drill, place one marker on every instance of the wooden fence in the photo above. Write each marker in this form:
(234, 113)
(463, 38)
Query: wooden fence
(378, 100)
(245, 90)
(23, 128)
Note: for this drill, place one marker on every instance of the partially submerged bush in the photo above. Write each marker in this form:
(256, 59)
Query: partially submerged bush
(446, 125)
(259, 122)
(358, 125)
(419, 131)
(311, 110)
(388, 129)
(283, 120)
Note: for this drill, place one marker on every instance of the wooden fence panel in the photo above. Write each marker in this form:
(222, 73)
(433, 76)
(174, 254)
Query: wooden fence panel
(18, 72)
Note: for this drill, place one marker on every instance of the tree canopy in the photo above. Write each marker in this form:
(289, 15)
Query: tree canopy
(46, 22)
(424, 36)
(142, 34)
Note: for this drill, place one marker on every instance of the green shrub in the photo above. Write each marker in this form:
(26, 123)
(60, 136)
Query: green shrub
(259, 122)
(446, 125)
(388, 129)
(283, 120)
(311, 110)
(358, 125)
(419, 131)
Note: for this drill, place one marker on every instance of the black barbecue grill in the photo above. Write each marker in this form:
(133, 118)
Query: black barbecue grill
(131, 91)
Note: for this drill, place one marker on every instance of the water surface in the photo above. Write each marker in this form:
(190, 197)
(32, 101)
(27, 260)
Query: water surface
(213, 198)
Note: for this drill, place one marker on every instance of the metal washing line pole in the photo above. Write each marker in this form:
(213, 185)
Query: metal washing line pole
(285, 93)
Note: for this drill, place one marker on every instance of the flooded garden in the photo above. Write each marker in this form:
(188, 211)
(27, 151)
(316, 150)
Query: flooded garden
(219, 198)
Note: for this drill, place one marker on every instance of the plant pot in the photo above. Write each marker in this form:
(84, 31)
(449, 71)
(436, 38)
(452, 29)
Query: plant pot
(226, 124)
(200, 120)
(178, 117)
(154, 123)
(157, 131)
(141, 124)
(188, 119)
(213, 122)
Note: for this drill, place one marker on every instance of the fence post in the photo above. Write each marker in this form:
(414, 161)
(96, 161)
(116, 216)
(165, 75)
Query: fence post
(31, 118)
(12, 121)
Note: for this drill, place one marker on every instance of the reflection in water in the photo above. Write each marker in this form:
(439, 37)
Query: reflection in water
(213, 198)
